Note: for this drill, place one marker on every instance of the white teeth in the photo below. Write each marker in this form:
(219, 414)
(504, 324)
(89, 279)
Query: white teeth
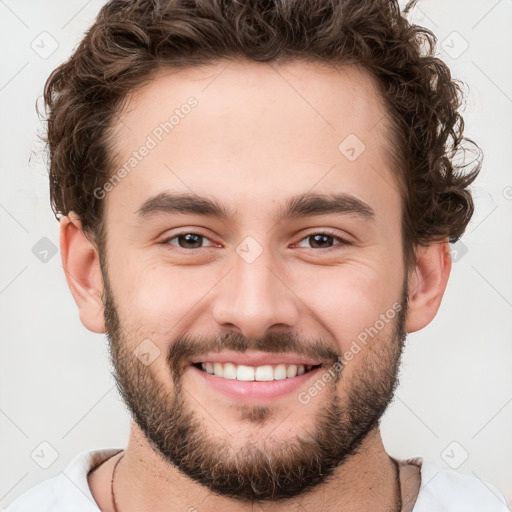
(263, 373)
(280, 372)
(291, 371)
(251, 373)
(229, 371)
(244, 372)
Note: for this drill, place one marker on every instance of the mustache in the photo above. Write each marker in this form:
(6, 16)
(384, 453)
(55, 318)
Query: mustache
(187, 347)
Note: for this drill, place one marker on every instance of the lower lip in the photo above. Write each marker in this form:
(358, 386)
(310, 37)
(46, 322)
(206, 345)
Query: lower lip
(255, 390)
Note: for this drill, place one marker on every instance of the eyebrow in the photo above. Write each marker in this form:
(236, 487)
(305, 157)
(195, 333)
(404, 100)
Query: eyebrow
(304, 205)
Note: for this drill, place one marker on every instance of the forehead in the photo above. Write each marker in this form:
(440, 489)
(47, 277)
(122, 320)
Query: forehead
(255, 130)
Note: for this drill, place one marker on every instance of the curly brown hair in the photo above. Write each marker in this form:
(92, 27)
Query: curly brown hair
(131, 40)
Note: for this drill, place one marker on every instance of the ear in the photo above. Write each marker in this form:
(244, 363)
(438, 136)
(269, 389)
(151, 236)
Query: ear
(81, 265)
(427, 283)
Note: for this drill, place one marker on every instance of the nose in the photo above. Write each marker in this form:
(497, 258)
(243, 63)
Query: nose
(254, 299)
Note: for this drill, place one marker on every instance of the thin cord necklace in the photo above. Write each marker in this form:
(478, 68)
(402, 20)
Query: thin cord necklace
(398, 499)
(112, 483)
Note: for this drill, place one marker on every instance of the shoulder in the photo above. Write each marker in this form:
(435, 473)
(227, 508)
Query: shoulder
(69, 490)
(445, 490)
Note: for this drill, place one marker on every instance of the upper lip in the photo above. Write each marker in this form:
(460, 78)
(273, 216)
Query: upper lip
(253, 358)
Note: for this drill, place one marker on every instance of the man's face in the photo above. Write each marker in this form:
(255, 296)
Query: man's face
(256, 283)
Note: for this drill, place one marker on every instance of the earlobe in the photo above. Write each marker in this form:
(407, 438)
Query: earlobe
(427, 283)
(81, 265)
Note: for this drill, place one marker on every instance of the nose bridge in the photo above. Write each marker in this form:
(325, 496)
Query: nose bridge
(254, 297)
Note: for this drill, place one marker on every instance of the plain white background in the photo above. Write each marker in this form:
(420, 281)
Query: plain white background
(454, 403)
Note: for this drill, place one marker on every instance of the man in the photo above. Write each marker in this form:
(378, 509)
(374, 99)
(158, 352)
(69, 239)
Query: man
(257, 201)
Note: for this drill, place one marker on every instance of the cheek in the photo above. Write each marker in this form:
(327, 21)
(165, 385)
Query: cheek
(161, 300)
(351, 300)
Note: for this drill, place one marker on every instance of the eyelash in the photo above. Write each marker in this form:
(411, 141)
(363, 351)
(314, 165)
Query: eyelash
(343, 241)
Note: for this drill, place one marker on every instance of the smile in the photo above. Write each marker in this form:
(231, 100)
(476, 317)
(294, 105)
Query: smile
(254, 377)
(263, 373)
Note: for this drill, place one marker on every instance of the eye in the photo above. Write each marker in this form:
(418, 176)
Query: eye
(188, 240)
(318, 240)
(321, 240)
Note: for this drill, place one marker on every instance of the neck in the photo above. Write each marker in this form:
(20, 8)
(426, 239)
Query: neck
(144, 480)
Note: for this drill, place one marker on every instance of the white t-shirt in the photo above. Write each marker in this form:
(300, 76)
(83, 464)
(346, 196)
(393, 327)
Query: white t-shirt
(441, 490)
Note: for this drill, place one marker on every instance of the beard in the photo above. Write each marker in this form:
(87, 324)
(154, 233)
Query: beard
(265, 469)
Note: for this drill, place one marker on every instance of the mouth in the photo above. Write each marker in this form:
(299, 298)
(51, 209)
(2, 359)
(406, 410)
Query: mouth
(254, 378)
(264, 373)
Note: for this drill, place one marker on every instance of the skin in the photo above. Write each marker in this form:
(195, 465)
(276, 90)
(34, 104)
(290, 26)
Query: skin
(286, 143)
